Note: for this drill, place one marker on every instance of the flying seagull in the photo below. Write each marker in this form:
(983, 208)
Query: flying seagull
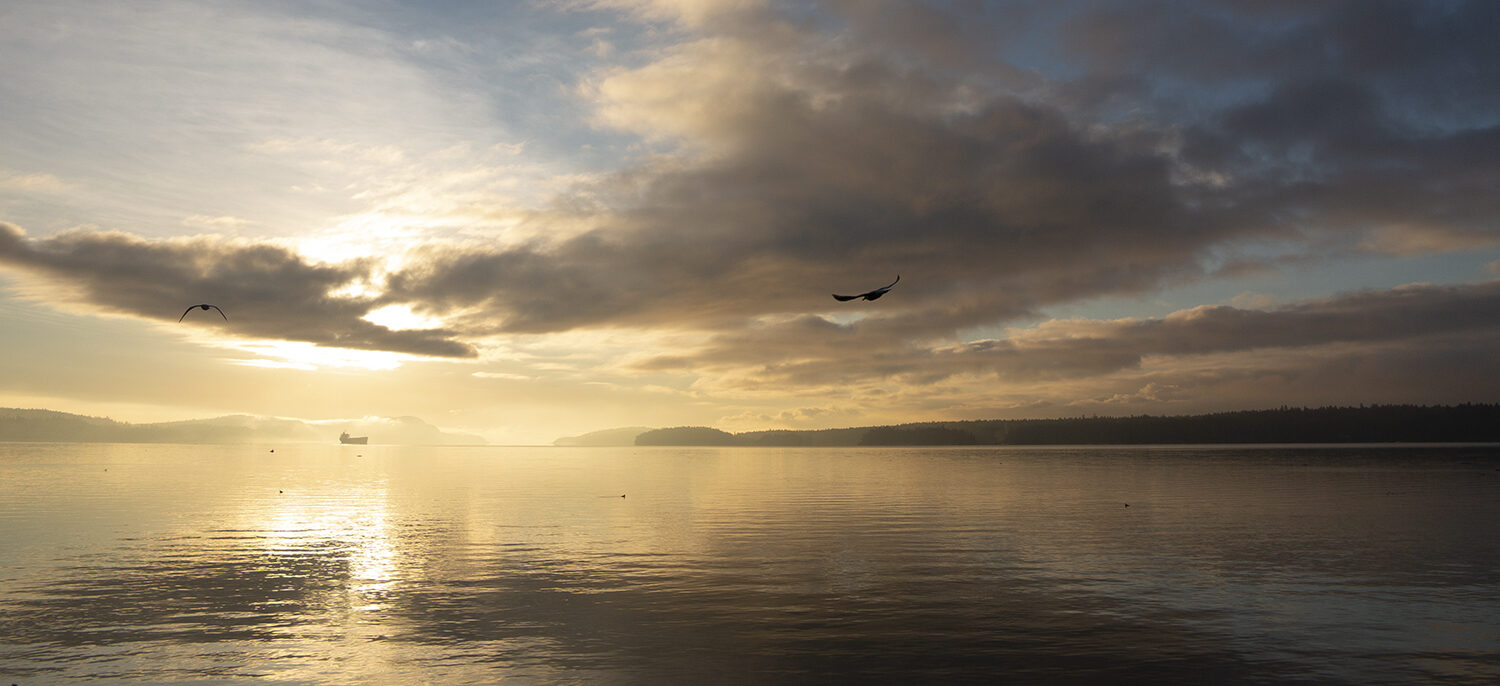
(204, 306)
(871, 295)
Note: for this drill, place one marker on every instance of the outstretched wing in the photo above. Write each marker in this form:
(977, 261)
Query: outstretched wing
(184, 314)
(221, 312)
(868, 295)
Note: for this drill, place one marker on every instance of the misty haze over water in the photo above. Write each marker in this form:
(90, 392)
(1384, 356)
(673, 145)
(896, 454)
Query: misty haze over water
(384, 564)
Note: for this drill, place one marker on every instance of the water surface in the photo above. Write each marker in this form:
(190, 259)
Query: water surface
(376, 564)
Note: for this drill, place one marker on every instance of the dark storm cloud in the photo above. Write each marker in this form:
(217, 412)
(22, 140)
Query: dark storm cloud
(268, 291)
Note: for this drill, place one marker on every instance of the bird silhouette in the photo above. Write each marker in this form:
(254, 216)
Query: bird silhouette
(868, 295)
(204, 306)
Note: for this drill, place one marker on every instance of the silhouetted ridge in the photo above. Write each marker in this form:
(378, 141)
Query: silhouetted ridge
(686, 435)
(1467, 423)
(608, 437)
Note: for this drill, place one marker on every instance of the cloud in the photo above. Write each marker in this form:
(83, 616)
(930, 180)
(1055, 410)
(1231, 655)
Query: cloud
(1407, 239)
(269, 291)
(273, 294)
(810, 163)
(689, 13)
(804, 164)
(834, 196)
(1059, 350)
(1150, 393)
(1254, 301)
(1363, 126)
(222, 223)
(1432, 47)
(152, 114)
(1002, 160)
(31, 183)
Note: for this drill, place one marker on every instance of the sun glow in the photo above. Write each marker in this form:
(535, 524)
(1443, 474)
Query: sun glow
(401, 318)
(309, 357)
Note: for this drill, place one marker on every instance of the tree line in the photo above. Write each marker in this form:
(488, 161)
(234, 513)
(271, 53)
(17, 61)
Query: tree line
(1466, 423)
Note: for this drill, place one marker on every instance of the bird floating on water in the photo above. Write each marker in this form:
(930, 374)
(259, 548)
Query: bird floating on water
(204, 306)
(868, 295)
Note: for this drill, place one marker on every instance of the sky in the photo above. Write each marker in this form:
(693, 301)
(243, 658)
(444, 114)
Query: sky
(538, 219)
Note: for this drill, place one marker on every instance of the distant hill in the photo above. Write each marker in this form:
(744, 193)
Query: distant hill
(46, 425)
(608, 437)
(1475, 423)
(686, 435)
(62, 427)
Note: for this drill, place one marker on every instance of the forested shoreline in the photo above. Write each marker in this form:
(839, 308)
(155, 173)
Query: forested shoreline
(1478, 423)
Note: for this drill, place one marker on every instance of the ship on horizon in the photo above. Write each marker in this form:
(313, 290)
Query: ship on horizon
(346, 439)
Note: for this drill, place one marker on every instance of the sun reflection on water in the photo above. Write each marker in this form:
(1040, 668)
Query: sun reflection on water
(352, 529)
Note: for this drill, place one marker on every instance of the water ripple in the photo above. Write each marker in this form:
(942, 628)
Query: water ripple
(464, 565)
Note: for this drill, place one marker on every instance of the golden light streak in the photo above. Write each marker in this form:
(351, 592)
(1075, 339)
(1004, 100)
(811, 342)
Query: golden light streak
(306, 356)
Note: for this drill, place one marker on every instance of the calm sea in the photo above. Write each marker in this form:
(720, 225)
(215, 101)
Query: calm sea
(396, 565)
